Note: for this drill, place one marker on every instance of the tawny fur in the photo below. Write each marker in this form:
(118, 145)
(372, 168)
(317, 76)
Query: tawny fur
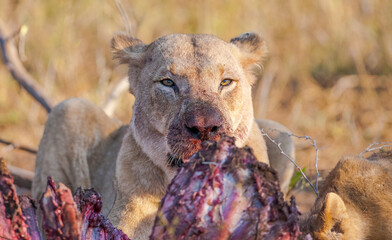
(81, 145)
(355, 201)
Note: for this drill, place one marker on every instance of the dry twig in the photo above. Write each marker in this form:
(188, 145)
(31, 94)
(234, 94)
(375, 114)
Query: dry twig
(278, 144)
(14, 65)
(122, 86)
(18, 146)
(112, 100)
(262, 92)
(22, 177)
(130, 23)
(376, 146)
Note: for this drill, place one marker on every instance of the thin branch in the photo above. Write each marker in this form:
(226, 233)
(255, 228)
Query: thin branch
(18, 146)
(314, 144)
(130, 24)
(112, 100)
(19, 73)
(262, 93)
(122, 86)
(22, 178)
(315, 189)
(5, 238)
(207, 163)
(372, 147)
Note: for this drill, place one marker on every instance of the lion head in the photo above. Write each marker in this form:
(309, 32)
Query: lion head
(189, 88)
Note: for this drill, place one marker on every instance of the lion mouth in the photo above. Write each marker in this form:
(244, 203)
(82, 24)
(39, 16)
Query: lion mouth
(182, 151)
(174, 161)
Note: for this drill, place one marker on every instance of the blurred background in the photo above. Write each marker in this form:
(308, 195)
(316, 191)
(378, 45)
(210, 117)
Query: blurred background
(328, 74)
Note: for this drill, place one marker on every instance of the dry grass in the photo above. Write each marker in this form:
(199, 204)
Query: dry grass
(329, 68)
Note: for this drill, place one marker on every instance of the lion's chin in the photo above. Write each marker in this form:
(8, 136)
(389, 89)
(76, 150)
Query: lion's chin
(183, 149)
(183, 156)
(174, 161)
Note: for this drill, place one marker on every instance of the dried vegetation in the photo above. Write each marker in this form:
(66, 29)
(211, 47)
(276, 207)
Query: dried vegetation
(328, 74)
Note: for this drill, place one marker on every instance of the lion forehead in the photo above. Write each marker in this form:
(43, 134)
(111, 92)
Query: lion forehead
(194, 48)
(201, 55)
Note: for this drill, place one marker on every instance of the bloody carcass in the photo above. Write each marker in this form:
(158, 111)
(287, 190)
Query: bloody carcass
(223, 192)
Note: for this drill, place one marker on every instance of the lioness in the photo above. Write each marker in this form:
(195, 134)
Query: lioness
(187, 88)
(355, 201)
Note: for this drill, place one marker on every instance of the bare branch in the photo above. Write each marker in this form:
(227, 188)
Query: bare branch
(122, 86)
(23, 178)
(18, 146)
(314, 144)
(315, 189)
(17, 70)
(112, 100)
(376, 146)
(130, 24)
(262, 93)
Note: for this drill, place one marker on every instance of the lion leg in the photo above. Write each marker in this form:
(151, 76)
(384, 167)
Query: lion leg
(72, 130)
(278, 161)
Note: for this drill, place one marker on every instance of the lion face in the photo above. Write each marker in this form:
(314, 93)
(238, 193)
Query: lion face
(355, 200)
(189, 88)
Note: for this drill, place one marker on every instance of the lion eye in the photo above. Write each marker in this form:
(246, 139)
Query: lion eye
(226, 82)
(167, 82)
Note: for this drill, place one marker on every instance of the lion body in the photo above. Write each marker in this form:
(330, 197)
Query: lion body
(355, 201)
(132, 165)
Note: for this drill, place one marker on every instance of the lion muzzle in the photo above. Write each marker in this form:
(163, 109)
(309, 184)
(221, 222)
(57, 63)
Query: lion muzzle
(202, 122)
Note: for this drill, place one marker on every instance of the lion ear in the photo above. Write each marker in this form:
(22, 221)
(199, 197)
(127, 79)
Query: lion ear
(131, 51)
(333, 214)
(128, 50)
(252, 46)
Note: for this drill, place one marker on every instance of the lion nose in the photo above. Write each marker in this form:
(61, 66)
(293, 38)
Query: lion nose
(203, 123)
(202, 133)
